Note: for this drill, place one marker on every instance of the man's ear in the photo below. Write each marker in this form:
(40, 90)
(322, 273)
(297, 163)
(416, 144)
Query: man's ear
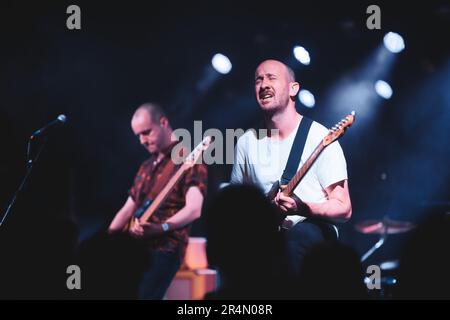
(164, 122)
(294, 87)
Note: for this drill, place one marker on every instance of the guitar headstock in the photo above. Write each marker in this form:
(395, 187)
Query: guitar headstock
(193, 157)
(339, 129)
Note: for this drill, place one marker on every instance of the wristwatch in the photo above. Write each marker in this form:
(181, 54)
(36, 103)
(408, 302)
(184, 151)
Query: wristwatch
(165, 226)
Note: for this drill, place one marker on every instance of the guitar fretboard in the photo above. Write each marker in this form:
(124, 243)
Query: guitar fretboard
(303, 170)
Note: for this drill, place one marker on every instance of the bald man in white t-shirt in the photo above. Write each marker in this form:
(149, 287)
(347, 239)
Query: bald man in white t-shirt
(322, 195)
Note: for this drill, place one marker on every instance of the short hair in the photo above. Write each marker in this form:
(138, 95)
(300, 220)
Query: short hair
(290, 72)
(154, 110)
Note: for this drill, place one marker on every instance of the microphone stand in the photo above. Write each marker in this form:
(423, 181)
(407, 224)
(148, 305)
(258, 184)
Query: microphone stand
(30, 162)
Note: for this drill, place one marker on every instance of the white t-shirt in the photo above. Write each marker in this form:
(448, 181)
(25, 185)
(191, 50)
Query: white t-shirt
(262, 162)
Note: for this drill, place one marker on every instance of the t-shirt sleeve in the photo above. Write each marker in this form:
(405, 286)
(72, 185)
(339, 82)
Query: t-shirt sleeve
(331, 165)
(238, 171)
(197, 176)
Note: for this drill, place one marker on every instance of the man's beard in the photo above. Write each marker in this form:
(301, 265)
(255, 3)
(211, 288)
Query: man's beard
(279, 107)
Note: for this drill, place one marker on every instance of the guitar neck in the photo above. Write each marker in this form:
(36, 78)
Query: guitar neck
(164, 193)
(333, 134)
(303, 170)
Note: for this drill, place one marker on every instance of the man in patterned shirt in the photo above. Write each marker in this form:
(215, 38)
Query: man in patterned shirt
(167, 231)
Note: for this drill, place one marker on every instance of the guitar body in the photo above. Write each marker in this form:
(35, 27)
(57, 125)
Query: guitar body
(138, 214)
(274, 190)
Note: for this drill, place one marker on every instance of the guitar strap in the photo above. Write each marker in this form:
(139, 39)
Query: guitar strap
(296, 151)
(329, 230)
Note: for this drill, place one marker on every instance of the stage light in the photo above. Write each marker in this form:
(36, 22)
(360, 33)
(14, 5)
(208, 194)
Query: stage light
(393, 42)
(302, 55)
(383, 89)
(221, 63)
(306, 98)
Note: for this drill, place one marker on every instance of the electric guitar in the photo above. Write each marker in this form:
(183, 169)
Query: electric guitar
(334, 133)
(150, 206)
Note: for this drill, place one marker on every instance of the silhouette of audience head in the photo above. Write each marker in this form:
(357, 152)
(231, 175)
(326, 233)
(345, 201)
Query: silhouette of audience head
(112, 266)
(35, 255)
(425, 260)
(244, 243)
(331, 270)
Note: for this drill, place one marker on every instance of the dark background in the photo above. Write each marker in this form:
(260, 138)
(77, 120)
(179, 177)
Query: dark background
(128, 53)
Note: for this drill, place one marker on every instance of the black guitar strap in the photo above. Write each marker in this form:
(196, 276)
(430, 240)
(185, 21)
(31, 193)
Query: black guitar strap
(296, 151)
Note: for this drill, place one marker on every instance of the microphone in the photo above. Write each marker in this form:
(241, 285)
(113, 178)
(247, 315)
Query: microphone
(60, 120)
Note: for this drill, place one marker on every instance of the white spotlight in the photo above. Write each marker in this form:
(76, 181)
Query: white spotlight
(302, 55)
(393, 42)
(383, 89)
(221, 63)
(306, 98)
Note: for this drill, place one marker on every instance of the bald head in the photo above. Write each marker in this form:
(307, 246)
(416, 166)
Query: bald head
(152, 109)
(289, 72)
(152, 127)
